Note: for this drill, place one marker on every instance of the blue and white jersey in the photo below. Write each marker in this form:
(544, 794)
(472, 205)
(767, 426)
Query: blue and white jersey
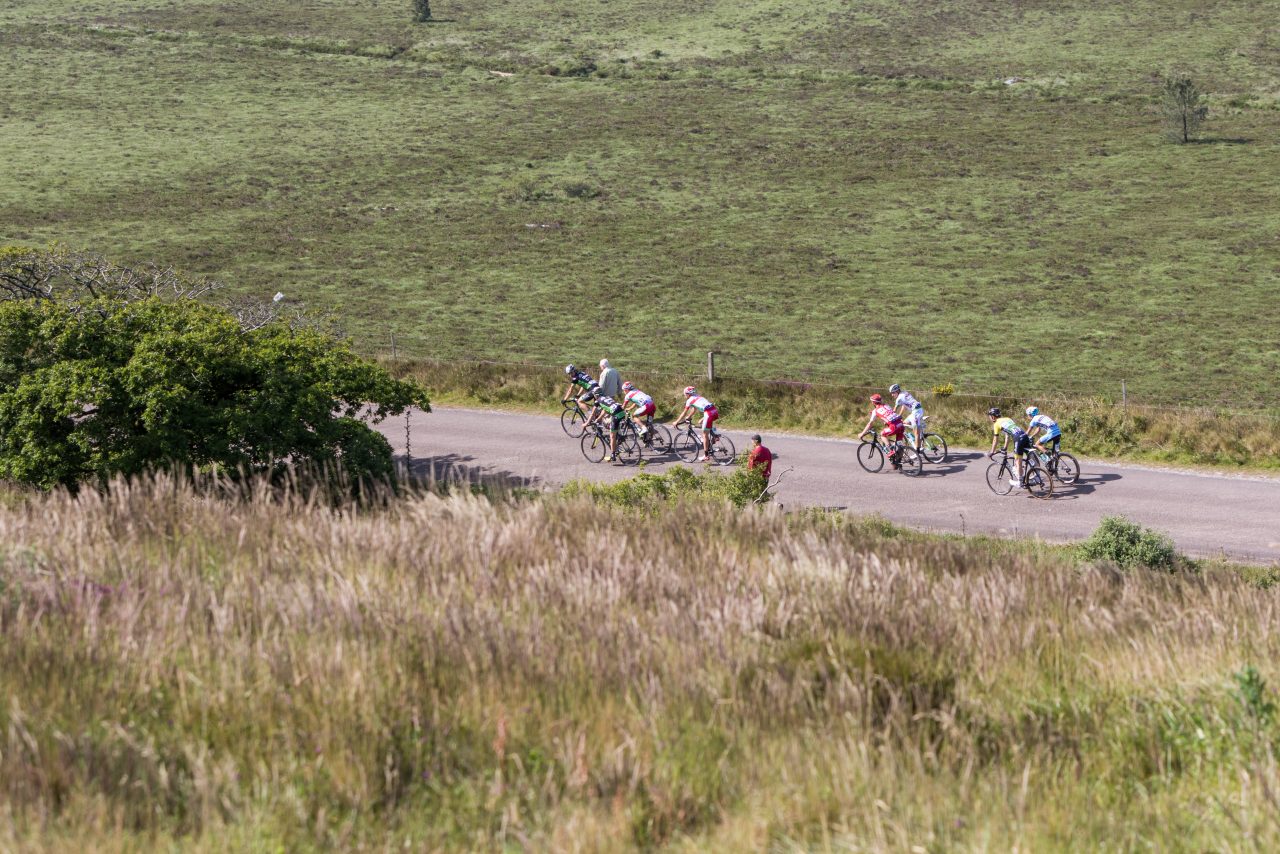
(1047, 425)
(904, 398)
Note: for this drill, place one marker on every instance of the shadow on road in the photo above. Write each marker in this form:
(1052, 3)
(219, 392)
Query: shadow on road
(1084, 486)
(458, 469)
(956, 462)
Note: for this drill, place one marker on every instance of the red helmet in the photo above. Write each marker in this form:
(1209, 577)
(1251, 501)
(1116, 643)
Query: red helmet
(876, 398)
(690, 391)
(627, 386)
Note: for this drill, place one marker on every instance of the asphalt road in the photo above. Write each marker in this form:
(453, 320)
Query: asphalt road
(1205, 513)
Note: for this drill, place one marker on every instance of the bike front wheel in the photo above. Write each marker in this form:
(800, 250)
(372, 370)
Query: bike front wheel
(912, 462)
(688, 446)
(595, 446)
(1066, 469)
(998, 476)
(572, 422)
(933, 447)
(1039, 483)
(722, 450)
(629, 450)
(871, 456)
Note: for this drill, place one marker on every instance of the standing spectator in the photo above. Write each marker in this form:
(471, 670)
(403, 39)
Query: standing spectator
(610, 382)
(760, 457)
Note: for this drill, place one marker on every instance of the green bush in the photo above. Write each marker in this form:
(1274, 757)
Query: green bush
(740, 488)
(421, 11)
(1129, 544)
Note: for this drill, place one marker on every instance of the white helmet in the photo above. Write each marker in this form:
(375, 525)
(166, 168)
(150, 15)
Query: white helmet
(1032, 412)
(569, 369)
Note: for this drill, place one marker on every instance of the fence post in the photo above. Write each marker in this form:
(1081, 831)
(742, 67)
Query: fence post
(711, 366)
(393, 346)
(1124, 397)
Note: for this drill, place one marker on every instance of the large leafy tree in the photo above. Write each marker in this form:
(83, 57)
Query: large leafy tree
(100, 385)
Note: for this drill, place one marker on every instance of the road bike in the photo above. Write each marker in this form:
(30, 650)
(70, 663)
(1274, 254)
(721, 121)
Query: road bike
(1001, 475)
(1063, 468)
(595, 443)
(688, 445)
(574, 418)
(872, 452)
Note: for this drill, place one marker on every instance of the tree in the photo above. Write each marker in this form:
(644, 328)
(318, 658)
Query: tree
(105, 386)
(1184, 107)
(422, 11)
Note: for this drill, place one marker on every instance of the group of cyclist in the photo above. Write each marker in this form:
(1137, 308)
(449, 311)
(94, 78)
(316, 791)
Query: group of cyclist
(637, 406)
(905, 414)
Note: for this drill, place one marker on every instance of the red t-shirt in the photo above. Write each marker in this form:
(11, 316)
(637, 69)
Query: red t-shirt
(760, 456)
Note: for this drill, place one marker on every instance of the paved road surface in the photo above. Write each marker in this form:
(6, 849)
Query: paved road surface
(1206, 514)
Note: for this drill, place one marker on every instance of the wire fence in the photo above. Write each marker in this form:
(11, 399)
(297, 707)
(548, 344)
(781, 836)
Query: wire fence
(1121, 396)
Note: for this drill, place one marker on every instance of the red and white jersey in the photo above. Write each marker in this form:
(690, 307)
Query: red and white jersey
(638, 397)
(700, 403)
(886, 414)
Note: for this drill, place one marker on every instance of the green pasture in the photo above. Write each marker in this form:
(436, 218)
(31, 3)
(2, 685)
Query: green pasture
(818, 189)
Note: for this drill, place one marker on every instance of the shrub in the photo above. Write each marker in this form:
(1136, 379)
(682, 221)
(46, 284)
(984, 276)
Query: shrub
(740, 488)
(421, 11)
(944, 390)
(1129, 544)
(581, 190)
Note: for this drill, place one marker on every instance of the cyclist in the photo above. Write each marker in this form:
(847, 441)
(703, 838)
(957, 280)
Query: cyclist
(1043, 430)
(580, 380)
(694, 401)
(1011, 430)
(607, 407)
(912, 412)
(642, 407)
(893, 427)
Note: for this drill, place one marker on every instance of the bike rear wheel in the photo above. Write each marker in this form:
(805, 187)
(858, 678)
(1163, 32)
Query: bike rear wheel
(595, 445)
(1066, 469)
(722, 450)
(688, 446)
(912, 462)
(629, 450)
(998, 476)
(659, 439)
(572, 421)
(871, 456)
(1039, 483)
(933, 447)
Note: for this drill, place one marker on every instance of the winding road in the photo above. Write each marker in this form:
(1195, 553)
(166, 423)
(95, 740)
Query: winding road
(1207, 514)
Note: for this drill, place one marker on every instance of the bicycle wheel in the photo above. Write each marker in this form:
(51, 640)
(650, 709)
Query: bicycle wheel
(572, 421)
(1066, 469)
(998, 476)
(595, 445)
(688, 446)
(722, 451)
(1039, 483)
(933, 447)
(660, 440)
(871, 456)
(912, 462)
(629, 449)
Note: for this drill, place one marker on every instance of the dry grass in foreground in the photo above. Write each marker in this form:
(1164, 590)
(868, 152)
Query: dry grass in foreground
(186, 671)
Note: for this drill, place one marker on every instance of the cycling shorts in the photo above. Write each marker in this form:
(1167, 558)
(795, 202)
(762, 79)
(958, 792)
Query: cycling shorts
(915, 420)
(587, 398)
(709, 416)
(896, 430)
(1021, 444)
(647, 410)
(1052, 441)
(616, 420)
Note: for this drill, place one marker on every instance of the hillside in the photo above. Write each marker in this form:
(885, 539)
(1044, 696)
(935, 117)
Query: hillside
(816, 188)
(186, 670)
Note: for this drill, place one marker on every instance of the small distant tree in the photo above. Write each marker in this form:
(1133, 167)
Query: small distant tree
(422, 11)
(1184, 107)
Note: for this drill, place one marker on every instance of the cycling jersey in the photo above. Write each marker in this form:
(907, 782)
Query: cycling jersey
(1009, 426)
(611, 406)
(886, 414)
(639, 398)
(700, 403)
(905, 399)
(1048, 425)
(583, 380)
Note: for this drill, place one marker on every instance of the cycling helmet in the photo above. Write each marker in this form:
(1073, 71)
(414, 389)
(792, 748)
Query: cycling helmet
(994, 412)
(690, 391)
(627, 386)
(895, 388)
(569, 369)
(1032, 412)
(875, 398)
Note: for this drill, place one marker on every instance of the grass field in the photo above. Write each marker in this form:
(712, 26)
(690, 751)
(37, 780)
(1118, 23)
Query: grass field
(187, 672)
(815, 189)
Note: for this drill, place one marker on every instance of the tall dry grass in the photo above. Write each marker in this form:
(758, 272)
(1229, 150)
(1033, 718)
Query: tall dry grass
(1095, 426)
(182, 669)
